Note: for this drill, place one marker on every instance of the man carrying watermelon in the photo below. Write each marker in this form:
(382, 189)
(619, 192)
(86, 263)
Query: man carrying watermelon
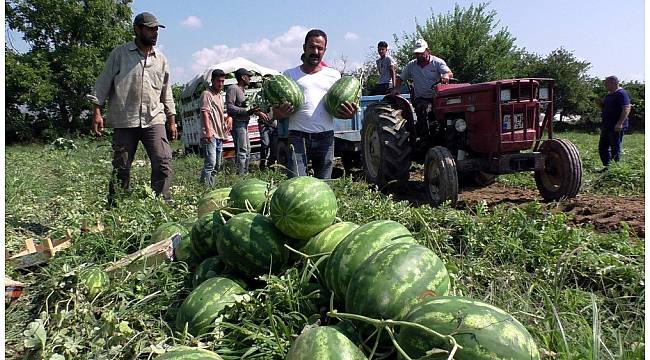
(237, 109)
(311, 127)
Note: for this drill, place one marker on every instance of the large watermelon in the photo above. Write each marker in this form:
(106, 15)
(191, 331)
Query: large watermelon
(324, 343)
(280, 89)
(325, 242)
(347, 88)
(188, 353)
(303, 206)
(390, 282)
(203, 238)
(167, 230)
(94, 279)
(484, 331)
(213, 200)
(359, 245)
(251, 245)
(252, 191)
(205, 303)
(207, 269)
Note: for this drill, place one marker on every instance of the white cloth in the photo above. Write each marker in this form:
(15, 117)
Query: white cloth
(312, 117)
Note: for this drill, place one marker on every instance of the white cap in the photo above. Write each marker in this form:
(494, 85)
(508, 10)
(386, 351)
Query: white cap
(420, 46)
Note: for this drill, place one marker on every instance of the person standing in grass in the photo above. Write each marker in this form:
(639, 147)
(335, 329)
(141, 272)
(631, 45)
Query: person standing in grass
(311, 127)
(215, 124)
(386, 67)
(615, 109)
(238, 109)
(135, 81)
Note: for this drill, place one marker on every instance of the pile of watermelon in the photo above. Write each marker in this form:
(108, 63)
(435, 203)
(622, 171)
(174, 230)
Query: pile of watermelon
(375, 270)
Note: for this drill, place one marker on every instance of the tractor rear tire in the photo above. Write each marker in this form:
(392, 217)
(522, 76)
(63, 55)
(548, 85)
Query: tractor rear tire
(440, 176)
(385, 145)
(561, 176)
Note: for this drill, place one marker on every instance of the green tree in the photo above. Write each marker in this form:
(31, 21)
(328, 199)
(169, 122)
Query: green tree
(69, 41)
(468, 40)
(574, 89)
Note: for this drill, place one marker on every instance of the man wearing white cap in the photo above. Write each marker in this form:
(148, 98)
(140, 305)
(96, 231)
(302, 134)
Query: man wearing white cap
(425, 71)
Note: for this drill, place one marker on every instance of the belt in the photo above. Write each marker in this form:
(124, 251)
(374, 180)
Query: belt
(311, 136)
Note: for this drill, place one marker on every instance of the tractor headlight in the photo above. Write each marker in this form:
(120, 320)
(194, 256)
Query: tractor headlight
(505, 94)
(460, 125)
(543, 93)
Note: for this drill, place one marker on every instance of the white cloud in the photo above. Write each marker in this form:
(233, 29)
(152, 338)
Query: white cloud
(350, 36)
(277, 53)
(192, 22)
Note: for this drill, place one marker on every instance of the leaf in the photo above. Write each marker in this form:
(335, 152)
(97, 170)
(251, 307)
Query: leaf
(35, 335)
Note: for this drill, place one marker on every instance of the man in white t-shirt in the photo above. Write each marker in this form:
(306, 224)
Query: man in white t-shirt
(311, 127)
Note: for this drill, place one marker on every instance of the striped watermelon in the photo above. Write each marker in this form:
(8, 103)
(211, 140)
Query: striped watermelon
(280, 89)
(303, 206)
(208, 268)
(347, 88)
(188, 353)
(252, 191)
(202, 237)
(213, 200)
(94, 280)
(251, 245)
(484, 331)
(323, 343)
(205, 303)
(359, 245)
(326, 240)
(167, 230)
(184, 251)
(390, 282)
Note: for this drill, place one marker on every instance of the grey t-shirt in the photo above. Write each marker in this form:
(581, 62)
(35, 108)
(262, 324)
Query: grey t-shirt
(383, 65)
(236, 103)
(424, 77)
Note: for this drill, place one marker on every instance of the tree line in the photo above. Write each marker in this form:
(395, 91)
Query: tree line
(69, 41)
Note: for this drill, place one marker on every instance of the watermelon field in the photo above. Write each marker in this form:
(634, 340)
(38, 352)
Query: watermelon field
(279, 288)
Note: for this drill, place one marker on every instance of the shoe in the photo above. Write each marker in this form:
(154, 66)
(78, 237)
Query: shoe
(602, 170)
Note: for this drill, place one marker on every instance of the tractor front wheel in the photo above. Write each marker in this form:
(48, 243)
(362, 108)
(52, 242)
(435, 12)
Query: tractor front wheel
(440, 176)
(561, 176)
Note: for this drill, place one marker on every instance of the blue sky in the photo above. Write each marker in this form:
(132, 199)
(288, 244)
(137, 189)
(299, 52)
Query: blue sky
(608, 34)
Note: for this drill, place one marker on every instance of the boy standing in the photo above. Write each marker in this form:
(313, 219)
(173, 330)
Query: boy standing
(386, 67)
(214, 124)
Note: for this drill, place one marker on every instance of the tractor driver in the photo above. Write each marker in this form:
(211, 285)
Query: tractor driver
(425, 71)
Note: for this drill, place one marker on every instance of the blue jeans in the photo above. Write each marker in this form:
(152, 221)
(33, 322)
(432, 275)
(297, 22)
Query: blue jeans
(242, 146)
(212, 160)
(317, 147)
(609, 146)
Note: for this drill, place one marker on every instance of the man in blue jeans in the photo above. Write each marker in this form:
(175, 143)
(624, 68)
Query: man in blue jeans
(311, 127)
(238, 109)
(615, 109)
(214, 124)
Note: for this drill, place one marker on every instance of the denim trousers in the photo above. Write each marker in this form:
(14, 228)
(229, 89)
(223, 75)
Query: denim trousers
(125, 144)
(265, 144)
(609, 145)
(242, 146)
(212, 160)
(317, 147)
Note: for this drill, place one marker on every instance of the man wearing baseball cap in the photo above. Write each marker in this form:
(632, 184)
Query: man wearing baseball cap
(240, 112)
(135, 83)
(425, 71)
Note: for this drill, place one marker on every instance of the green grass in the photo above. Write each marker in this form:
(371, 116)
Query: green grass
(626, 177)
(581, 294)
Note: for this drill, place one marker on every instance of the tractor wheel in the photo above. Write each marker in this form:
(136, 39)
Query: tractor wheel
(561, 176)
(440, 176)
(385, 145)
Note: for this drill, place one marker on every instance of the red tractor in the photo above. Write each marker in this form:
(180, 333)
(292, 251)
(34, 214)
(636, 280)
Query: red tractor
(471, 132)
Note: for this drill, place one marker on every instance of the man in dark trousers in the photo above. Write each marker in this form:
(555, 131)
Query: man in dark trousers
(615, 109)
(237, 108)
(135, 81)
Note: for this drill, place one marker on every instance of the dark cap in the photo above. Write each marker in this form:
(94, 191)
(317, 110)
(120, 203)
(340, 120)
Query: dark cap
(241, 72)
(146, 19)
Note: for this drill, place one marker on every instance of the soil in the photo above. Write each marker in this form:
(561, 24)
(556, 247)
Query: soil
(605, 213)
